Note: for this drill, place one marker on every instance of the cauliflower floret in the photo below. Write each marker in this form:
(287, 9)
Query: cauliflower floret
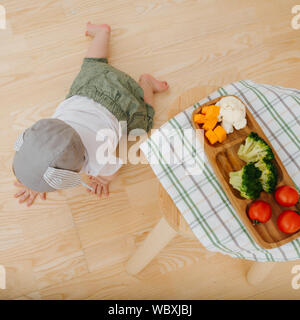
(227, 126)
(240, 124)
(232, 113)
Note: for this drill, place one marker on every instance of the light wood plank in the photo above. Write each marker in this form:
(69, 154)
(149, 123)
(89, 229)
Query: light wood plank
(68, 247)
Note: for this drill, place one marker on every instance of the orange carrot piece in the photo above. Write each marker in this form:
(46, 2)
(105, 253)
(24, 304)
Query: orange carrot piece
(199, 118)
(210, 124)
(211, 136)
(220, 133)
(205, 109)
(213, 112)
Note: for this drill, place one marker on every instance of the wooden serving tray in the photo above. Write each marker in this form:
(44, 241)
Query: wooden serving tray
(224, 159)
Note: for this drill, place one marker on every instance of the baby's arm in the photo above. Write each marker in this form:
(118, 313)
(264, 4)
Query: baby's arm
(27, 195)
(101, 184)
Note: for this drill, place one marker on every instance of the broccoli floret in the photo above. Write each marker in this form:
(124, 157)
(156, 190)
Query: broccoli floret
(247, 181)
(255, 149)
(269, 175)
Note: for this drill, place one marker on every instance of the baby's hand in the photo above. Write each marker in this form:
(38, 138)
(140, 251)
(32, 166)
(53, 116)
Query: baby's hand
(99, 185)
(27, 195)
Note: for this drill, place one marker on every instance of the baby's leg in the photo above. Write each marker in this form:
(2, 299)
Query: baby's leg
(150, 85)
(99, 45)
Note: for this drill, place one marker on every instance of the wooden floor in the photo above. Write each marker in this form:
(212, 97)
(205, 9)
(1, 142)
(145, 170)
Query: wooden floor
(74, 246)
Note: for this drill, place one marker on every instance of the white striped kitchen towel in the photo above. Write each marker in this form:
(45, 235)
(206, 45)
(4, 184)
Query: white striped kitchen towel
(200, 198)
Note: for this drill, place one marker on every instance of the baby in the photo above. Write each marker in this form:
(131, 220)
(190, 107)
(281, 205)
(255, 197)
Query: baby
(50, 154)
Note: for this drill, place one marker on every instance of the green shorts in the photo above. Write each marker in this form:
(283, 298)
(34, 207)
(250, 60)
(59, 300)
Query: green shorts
(115, 90)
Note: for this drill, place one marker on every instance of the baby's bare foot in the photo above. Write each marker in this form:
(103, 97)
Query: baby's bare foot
(93, 29)
(157, 86)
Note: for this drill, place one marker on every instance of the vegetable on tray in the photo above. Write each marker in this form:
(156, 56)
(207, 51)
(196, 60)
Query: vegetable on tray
(211, 136)
(255, 149)
(286, 196)
(216, 135)
(289, 221)
(221, 133)
(199, 118)
(229, 111)
(259, 212)
(247, 181)
(232, 113)
(209, 124)
(269, 174)
(257, 152)
(208, 118)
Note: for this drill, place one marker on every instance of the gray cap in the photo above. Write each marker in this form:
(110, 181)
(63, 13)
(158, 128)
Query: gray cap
(48, 145)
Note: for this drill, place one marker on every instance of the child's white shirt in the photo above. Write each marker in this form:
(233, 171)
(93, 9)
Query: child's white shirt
(93, 122)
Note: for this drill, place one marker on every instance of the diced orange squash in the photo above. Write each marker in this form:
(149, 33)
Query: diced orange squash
(205, 109)
(211, 136)
(199, 118)
(220, 133)
(210, 124)
(210, 116)
(213, 112)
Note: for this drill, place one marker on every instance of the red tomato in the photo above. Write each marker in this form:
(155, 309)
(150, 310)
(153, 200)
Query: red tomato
(286, 196)
(289, 221)
(260, 211)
